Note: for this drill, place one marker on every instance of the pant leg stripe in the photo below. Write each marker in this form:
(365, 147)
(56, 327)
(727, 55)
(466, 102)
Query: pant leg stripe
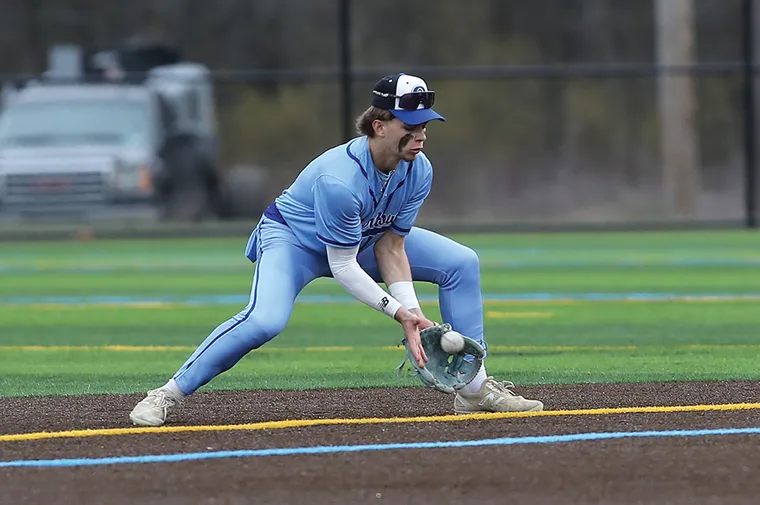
(237, 323)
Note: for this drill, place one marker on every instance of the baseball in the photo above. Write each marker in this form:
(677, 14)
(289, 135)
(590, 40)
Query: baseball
(452, 342)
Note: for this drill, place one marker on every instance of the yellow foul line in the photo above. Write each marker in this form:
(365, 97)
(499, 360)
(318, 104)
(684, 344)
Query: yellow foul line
(519, 315)
(506, 348)
(299, 423)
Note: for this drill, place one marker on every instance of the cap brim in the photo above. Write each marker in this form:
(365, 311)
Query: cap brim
(416, 117)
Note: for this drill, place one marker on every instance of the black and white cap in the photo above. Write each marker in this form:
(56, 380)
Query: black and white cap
(407, 97)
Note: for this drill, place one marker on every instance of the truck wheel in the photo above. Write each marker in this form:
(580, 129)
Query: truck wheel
(187, 199)
(245, 192)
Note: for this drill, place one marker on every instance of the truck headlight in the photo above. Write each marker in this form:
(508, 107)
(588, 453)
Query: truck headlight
(133, 177)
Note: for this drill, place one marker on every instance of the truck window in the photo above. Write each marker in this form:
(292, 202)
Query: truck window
(70, 122)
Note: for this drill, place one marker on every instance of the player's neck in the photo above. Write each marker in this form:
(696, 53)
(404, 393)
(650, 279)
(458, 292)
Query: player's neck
(384, 160)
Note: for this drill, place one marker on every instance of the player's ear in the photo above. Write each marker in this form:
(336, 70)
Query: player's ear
(378, 125)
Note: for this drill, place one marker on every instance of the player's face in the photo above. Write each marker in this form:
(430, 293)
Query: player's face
(407, 140)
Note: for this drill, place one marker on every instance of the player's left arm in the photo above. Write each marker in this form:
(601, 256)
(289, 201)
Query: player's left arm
(390, 252)
(396, 273)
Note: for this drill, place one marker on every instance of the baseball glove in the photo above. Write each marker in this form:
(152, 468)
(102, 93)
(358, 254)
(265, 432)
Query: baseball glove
(445, 372)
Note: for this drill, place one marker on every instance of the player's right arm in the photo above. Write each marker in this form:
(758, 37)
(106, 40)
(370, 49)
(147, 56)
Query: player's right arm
(338, 224)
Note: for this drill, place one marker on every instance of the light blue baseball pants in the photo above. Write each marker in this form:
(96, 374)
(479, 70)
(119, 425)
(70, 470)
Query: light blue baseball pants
(284, 268)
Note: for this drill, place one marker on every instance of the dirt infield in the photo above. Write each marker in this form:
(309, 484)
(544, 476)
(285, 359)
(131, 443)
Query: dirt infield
(709, 469)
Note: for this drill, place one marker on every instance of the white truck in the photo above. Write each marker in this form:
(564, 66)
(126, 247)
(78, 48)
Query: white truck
(78, 142)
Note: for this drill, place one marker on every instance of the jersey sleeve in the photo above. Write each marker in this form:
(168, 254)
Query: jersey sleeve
(337, 213)
(405, 219)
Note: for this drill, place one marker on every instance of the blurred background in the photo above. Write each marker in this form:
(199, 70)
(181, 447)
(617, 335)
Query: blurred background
(561, 113)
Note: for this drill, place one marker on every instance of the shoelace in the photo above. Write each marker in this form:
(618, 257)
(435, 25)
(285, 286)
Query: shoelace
(503, 387)
(162, 399)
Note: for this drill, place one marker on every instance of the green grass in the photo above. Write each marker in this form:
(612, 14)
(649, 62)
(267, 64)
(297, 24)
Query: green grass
(531, 342)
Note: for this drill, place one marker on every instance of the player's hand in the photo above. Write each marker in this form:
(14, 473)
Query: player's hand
(410, 322)
(424, 322)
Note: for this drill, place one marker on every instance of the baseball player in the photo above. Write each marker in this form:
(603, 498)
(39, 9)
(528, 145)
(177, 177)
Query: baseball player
(350, 215)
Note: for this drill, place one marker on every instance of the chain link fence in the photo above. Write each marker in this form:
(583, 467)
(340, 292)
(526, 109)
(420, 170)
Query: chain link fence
(557, 109)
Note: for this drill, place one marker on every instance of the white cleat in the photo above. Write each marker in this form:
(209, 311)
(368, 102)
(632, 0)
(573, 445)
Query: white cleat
(494, 396)
(153, 409)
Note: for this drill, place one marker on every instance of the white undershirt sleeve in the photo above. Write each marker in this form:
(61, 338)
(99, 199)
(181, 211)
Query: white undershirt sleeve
(357, 282)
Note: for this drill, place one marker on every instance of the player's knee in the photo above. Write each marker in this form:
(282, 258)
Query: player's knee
(465, 261)
(462, 265)
(262, 329)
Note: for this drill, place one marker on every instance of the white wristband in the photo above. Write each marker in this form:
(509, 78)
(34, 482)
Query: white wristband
(403, 291)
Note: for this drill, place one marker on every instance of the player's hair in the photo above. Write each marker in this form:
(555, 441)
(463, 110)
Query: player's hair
(364, 122)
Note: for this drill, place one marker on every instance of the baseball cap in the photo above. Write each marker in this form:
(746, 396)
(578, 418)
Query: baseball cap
(407, 97)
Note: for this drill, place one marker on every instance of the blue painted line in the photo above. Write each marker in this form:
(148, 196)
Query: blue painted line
(346, 299)
(290, 451)
(627, 263)
(516, 264)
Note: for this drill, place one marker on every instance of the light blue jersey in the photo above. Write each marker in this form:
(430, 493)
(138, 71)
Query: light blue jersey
(341, 199)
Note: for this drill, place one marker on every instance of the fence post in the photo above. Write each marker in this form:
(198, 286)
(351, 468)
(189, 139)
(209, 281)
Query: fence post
(680, 160)
(750, 111)
(344, 51)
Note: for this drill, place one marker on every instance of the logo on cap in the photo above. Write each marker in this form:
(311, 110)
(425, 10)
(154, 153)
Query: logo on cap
(418, 89)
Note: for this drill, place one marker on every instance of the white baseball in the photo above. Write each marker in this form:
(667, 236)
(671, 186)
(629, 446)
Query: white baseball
(452, 342)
